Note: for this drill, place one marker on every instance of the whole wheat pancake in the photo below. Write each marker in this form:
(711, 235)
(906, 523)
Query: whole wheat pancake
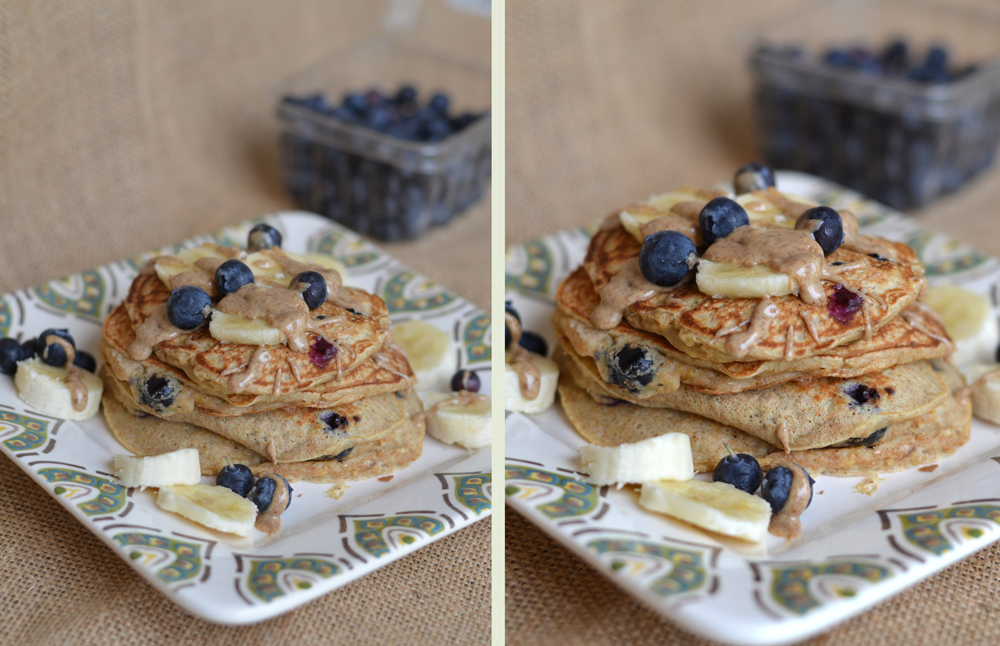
(698, 324)
(904, 445)
(915, 336)
(293, 433)
(355, 335)
(803, 414)
(387, 372)
(153, 436)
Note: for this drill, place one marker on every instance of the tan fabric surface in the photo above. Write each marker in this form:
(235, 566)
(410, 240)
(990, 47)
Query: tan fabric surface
(606, 103)
(127, 125)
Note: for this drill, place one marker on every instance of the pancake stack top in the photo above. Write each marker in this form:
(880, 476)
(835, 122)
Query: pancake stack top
(316, 394)
(773, 343)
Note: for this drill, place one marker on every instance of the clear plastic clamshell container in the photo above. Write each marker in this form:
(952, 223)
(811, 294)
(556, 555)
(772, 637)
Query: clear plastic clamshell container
(375, 183)
(900, 141)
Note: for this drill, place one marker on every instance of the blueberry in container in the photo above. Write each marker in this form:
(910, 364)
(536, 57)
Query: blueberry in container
(345, 157)
(897, 99)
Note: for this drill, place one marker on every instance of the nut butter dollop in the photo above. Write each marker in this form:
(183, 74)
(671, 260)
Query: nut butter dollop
(529, 377)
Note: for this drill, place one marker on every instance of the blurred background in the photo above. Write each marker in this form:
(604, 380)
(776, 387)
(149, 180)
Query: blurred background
(126, 126)
(610, 102)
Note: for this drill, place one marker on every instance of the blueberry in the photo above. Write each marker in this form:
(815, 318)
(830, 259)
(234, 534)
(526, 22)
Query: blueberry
(861, 394)
(231, 275)
(85, 360)
(896, 56)
(465, 380)
(837, 58)
(157, 392)
(356, 102)
(189, 306)
(509, 309)
(406, 94)
(631, 368)
(440, 103)
(777, 485)
(263, 236)
(720, 217)
(826, 226)
(30, 348)
(54, 355)
(534, 343)
(262, 493)
(378, 118)
(10, 353)
(753, 177)
(238, 478)
(740, 470)
(463, 121)
(313, 287)
(937, 58)
(62, 333)
(436, 130)
(666, 258)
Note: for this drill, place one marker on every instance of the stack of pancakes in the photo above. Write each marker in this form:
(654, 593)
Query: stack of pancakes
(341, 410)
(838, 392)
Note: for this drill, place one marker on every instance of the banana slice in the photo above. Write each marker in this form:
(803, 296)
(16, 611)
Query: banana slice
(323, 260)
(969, 322)
(181, 467)
(430, 351)
(513, 398)
(761, 210)
(665, 457)
(985, 395)
(737, 281)
(214, 507)
(187, 258)
(231, 328)
(465, 425)
(715, 506)
(44, 387)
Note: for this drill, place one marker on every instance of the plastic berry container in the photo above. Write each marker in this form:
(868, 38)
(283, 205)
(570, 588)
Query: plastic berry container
(901, 141)
(373, 182)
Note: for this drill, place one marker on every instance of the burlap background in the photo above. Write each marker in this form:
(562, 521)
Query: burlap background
(127, 125)
(608, 102)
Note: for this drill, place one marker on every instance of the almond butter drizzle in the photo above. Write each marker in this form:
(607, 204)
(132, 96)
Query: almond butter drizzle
(689, 210)
(786, 523)
(295, 369)
(77, 391)
(461, 398)
(277, 382)
(239, 381)
(790, 342)
(965, 392)
(854, 241)
(283, 309)
(529, 377)
(911, 314)
(739, 344)
(627, 287)
(672, 223)
(269, 521)
(196, 279)
(810, 326)
(789, 207)
(782, 434)
(156, 329)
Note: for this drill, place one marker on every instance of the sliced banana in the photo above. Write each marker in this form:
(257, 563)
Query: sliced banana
(514, 399)
(187, 260)
(969, 322)
(181, 467)
(466, 425)
(214, 507)
(231, 328)
(761, 210)
(44, 387)
(985, 395)
(715, 506)
(665, 457)
(323, 260)
(431, 353)
(737, 281)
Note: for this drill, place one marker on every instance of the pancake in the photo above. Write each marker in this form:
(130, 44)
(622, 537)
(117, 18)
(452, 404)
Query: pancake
(211, 363)
(617, 422)
(293, 433)
(153, 436)
(802, 414)
(388, 372)
(915, 336)
(905, 445)
(696, 323)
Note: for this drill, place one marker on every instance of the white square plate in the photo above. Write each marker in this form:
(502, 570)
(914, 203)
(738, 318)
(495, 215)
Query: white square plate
(324, 543)
(855, 550)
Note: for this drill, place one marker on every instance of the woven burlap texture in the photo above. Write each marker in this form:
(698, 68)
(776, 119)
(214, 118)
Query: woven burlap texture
(608, 102)
(125, 126)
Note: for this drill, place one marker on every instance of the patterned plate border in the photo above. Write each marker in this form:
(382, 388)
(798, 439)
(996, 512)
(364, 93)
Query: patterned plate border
(855, 550)
(325, 542)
